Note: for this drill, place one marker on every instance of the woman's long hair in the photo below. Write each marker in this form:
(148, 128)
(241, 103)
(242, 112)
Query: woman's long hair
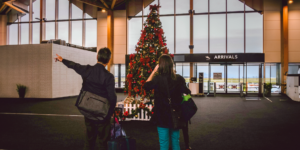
(166, 66)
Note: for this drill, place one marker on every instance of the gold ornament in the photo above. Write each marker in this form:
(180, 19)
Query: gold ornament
(136, 116)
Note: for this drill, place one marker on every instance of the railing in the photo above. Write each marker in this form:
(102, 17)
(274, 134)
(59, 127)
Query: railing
(141, 116)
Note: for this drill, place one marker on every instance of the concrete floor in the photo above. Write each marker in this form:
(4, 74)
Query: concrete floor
(221, 123)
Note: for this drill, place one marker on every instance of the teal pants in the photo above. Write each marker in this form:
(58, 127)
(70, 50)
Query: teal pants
(164, 134)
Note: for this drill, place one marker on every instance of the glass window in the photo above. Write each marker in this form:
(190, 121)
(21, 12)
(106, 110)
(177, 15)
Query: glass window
(200, 33)
(50, 30)
(182, 34)
(200, 6)
(77, 32)
(217, 5)
(76, 12)
(267, 74)
(25, 18)
(293, 68)
(50, 9)
(254, 33)
(167, 7)
(135, 27)
(63, 9)
(123, 75)
(63, 31)
(116, 75)
(235, 33)
(146, 10)
(91, 33)
(25, 33)
(168, 27)
(178, 68)
(186, 72)
(35, 33)
(36, 9)
(218, 33)
(235, 5)
(273, 74)
(182, 6)
(13, 34)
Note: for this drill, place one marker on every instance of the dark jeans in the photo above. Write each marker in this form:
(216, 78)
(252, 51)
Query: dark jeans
(94, 130)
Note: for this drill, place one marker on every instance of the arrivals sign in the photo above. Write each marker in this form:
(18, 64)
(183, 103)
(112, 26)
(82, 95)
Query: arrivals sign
(225, 57)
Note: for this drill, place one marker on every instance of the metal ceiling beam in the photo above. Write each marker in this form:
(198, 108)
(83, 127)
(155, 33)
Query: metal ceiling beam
(113, 4)
(3, 7)
(104, 3)
(91, 3)
(14, 7)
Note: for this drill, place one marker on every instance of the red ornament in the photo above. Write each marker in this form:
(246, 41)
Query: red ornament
(145, 26)
(148, 71)
(153, 60)
(165, 44)
(123, 119)
(152, 112)
(126, 113)
(172, 55)
(134, 62)
(140, 76)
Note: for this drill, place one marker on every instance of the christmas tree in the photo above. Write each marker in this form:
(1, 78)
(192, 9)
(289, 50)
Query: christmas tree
(151, 45)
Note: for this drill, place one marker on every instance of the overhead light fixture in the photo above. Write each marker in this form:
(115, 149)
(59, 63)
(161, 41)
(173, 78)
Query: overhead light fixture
(103, 10)
(290, 1)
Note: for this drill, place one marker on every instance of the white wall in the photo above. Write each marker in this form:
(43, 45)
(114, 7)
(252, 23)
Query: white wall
(29, 65)
(34, 66)
(66, 82)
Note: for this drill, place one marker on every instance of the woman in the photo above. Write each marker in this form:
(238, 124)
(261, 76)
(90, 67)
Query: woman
(176, 85)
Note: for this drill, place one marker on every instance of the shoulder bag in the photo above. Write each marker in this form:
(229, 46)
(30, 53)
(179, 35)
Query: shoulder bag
(93, 104)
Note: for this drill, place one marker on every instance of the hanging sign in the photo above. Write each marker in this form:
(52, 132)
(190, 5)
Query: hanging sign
(217, 76)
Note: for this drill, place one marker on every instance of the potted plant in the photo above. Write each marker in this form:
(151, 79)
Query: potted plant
(21, 89)
(267, 88)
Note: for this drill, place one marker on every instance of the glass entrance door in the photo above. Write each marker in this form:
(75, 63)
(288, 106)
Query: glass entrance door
(235, 75)
(252, 77)
(218, 75)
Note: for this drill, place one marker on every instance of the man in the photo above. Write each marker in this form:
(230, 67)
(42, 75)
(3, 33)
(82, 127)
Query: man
(99, 81)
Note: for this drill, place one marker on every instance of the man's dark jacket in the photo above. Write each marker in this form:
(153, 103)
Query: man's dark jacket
(98, 81)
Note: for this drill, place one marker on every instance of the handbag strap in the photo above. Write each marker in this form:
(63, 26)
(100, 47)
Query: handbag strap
(168, 92)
